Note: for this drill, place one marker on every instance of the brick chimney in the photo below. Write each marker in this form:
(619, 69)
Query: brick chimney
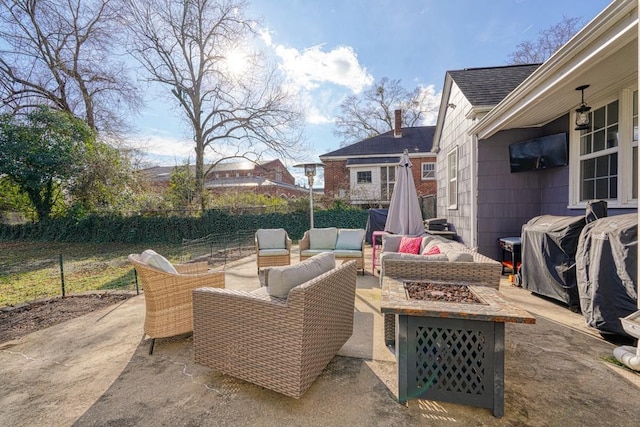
(397, 131)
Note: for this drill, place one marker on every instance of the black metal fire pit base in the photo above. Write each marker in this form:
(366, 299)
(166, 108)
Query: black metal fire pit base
(451, 360)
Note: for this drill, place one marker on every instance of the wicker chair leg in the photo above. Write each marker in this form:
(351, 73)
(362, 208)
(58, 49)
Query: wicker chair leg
(153, 343)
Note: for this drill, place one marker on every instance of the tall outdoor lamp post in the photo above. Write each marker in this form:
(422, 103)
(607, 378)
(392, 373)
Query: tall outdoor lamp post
(310, 172)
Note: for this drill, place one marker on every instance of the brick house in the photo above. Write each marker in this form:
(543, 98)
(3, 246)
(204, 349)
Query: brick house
(364, 173)
(263, 177)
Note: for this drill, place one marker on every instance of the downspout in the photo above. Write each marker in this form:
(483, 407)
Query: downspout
(628, 355)
(474, 191)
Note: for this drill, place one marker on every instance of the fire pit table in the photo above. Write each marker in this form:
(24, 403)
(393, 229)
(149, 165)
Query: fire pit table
(449, 345)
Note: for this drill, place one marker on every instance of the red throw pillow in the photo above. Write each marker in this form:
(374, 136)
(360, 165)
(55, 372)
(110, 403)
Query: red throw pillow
(410, 245)
(434, 250)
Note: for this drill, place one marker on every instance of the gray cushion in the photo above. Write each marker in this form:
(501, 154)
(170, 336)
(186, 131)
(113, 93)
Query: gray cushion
(350, 239)
(391, 243)
(272, 252)
(154, 259)
(347, 253)
(272, 238)
(323, 238)
(459, 256)
(283, 279)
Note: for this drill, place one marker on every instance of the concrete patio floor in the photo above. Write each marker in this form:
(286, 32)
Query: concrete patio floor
(96, 371)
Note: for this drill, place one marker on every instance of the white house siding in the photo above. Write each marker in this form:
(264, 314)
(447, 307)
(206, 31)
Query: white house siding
(454, 133)
(365, 192)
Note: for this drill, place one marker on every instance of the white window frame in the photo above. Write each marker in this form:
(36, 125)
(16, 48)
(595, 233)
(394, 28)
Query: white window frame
(389, 184)
(624, 151)
(430, 172)
(370, 181)
(452, 179)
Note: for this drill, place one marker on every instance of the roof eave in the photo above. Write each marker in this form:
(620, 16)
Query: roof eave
(547, 76)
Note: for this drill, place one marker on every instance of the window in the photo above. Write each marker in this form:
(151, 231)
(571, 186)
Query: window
(452, 179)
(604, 158)
(428, 170)
(599, 155)
(278, 174)
(363, 177)
(387, 181)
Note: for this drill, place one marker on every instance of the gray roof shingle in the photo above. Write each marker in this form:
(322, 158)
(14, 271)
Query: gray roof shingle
(414, 139)
(490, 85)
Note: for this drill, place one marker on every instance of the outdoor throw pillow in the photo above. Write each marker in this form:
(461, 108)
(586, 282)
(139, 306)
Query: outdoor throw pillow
(154, 259)
(433, 250)
(410, 245)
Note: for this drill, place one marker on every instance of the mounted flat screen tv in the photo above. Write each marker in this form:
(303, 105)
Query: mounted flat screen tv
(546, 152)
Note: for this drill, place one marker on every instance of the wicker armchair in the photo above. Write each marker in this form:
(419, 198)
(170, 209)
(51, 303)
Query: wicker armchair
(167, 296)
(273, 247)
(279, 344)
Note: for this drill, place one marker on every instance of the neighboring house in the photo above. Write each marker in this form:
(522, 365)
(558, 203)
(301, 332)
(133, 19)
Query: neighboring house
(264, 177)
(364, 173)
(479, 195)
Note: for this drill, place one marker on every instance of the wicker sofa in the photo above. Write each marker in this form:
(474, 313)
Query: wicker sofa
(455, 262)
(344, 243)
(282, 344)
(167, 293)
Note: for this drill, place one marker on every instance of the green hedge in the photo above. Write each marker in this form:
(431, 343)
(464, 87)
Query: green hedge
(140, 229)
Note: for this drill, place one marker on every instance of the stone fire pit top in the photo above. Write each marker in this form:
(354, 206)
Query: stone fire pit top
(492, 309)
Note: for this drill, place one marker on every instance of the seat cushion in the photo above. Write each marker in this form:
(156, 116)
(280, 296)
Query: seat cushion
(272, 252)
(323, 238)
(154, 259)
(283, 279)
(350, 239)
(347, 253)
(273, 238)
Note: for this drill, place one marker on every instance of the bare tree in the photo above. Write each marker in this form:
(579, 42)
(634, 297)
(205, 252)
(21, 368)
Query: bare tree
(547, 43)
(62, 53)
(372, 113)
(193, 48)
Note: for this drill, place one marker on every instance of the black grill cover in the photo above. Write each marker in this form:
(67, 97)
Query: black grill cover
(376, 221)
(607, 271)
(549, 246)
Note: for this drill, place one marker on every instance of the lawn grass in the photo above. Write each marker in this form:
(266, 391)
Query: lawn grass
(31, 270)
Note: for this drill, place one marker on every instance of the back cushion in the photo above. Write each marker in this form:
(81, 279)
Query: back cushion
(154, 259)
(283, 279)
(271, 238)
(391, 243)
(350, 239)
(323, 238)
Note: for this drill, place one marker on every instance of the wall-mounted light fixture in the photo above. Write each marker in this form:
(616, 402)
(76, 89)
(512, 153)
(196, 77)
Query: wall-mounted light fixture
(583, 120)
(451, 105)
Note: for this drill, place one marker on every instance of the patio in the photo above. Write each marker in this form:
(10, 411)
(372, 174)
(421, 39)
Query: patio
(96, 370)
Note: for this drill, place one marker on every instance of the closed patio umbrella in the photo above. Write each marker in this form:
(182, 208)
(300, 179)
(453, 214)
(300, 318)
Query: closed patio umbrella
(405, 216)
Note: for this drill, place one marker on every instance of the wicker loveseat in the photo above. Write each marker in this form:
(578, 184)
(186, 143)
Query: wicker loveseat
(455, 262)
(167, 295)
(344, 243)
(282, 344)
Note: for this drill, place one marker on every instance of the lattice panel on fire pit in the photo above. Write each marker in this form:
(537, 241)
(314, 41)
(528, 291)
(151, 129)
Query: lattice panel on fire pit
(450, 359)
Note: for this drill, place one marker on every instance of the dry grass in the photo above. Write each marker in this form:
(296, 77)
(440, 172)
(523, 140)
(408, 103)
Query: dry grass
(31, 270)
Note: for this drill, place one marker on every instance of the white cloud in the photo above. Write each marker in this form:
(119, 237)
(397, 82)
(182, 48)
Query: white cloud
(312, 67)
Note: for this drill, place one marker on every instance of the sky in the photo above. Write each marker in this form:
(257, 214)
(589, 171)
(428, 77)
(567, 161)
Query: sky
(332, 49)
